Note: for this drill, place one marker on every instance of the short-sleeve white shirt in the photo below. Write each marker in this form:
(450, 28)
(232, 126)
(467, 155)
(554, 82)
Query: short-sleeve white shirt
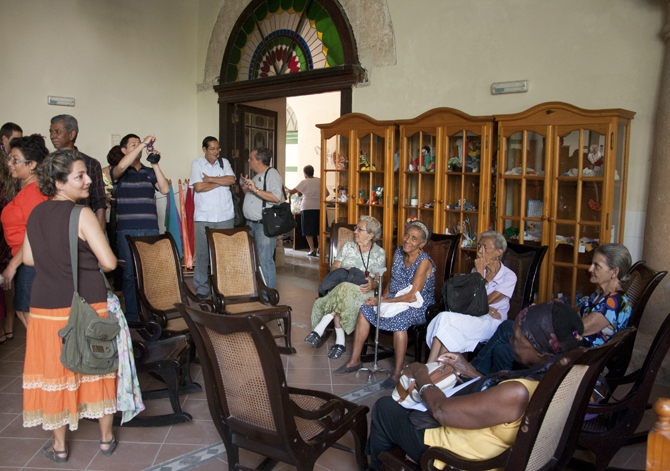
(215, 205)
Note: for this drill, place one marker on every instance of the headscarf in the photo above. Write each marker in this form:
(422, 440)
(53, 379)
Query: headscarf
(551, 327)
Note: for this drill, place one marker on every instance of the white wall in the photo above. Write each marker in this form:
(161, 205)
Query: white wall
(129, 65)
(593, 54)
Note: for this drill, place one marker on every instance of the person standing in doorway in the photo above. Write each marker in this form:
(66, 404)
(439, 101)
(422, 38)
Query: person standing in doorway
(310, 190)
(211, 178)
(266, 187)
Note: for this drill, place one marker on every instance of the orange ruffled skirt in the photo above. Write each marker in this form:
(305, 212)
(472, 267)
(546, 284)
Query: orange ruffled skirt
(52, 395)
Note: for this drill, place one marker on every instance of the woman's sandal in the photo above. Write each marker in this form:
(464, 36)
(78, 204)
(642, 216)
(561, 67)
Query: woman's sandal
(112, 445)
(336, 351)
(10, 335)
(56, 456)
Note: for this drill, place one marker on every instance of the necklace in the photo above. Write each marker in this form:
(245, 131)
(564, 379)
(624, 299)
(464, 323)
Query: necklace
(365, 265)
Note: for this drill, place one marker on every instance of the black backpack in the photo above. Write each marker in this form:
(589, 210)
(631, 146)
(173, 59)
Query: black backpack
(466, 294)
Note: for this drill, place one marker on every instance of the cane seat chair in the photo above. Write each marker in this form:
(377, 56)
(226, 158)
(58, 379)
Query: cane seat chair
(641, 284)
(616, 421)
(236, 282)
(253, 407)
(551, 423)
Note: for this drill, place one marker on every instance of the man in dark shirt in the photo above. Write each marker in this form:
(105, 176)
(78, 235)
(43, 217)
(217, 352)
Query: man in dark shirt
(63, 133)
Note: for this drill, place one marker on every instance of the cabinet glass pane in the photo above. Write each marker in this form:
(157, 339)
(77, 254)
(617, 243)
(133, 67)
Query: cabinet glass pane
(534, 205)
(467, 260)
(534, 149)
(512, 195)
(371, 153)
(511, 228)
(589, 239)
(591, 207)
(420, 153)
(455, 153)
(565, 243)
(592, 153)
(566, 204)
(562, 284)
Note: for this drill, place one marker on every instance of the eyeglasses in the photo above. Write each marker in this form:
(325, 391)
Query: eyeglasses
(214, 149)
(358, 229)
(10, 161)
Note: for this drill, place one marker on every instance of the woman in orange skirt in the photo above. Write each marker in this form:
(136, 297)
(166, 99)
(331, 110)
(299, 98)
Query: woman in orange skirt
(53, 396)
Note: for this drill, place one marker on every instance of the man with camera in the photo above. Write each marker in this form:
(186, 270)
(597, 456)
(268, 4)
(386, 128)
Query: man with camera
(136, 205)
(63, 132)
(211, 178)
(266, 187)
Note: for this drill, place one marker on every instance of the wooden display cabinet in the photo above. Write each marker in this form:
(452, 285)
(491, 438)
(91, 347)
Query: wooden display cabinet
(448, 191)
(562, 183)
(356, 153)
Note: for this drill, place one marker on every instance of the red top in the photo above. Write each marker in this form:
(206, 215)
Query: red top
(15, 215)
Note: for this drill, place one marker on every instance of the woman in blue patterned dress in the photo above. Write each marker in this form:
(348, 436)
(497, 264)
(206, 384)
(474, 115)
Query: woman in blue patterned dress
(411, 267)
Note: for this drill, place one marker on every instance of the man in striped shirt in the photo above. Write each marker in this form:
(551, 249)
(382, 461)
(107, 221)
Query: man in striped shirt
(136, 185)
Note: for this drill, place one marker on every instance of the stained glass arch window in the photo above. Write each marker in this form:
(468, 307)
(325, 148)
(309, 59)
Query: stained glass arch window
(279, 37)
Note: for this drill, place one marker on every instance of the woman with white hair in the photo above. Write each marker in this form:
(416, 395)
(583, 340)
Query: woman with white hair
(455, 332)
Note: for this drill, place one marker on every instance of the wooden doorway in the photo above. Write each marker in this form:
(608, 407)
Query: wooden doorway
(250, 128)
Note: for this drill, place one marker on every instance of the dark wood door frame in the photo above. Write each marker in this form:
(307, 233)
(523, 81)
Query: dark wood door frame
(331, 79)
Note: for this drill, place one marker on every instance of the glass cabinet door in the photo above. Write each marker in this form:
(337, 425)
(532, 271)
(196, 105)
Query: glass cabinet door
(619, 195)
(335, 153)
(522, 192)
(369, 174)
(462, 177)
(417, 168)
(577, 212)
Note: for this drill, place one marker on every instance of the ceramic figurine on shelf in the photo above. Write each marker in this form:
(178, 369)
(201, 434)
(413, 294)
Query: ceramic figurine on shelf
(454, 164)
(427, 159)
(340, 162)
(410, 219)
(473, 159)
(362, 197)
(364, 163)
(377, 196)
(342, 192)
(595, 156)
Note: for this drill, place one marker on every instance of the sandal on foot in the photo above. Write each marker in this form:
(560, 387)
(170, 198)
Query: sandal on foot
(336, 351)
(345, 370)
(112, 445)
(58, 457)
(10, 335)
(313, 339)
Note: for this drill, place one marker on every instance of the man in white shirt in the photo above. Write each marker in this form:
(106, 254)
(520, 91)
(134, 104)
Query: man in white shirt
(211, 178)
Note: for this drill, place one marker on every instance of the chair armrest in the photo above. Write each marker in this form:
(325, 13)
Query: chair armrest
(611, 407)
(218, 300)
(206, 305)
(149, 331)
(322, 414)
(144, 304)
(434, 310)
(395, 459)
(444, 455)
(272, 295)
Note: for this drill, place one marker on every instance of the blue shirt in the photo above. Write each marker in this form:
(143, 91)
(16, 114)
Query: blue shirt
(136, 199)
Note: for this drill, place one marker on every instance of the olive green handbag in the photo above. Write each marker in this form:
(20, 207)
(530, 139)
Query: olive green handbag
(89, 341)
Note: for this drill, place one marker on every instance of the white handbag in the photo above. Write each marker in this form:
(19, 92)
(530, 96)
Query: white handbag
(441, 375)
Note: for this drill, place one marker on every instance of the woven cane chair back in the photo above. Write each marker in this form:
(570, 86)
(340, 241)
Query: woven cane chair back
(160, 273)
(234, 264)
(251, 404)
(340, 234)
(525, 262)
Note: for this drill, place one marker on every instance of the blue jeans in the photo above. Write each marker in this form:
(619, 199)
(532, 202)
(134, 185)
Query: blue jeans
(129, 296)
(497, 354)
(265, 251)
(202, 252)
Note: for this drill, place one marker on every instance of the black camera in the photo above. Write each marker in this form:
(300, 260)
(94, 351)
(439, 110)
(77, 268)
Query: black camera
(154, 158)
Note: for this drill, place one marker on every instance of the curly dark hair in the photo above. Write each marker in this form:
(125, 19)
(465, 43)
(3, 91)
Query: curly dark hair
(56, 167)
(32, 147)
(114, 156)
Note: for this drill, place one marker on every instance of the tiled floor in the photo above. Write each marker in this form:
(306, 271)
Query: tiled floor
(196, 445)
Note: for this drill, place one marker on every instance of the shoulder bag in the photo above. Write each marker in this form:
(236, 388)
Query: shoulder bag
(466, 294)
(278, 218)
(89, 341)
(240, 220)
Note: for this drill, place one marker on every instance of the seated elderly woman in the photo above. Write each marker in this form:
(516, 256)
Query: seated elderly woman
(413, 272)
(480, 421)
(454, 332)
(605, 312)
(345, 300)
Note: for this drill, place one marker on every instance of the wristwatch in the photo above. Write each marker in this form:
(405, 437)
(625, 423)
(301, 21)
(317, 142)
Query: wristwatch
(257, 190)
(424, 387)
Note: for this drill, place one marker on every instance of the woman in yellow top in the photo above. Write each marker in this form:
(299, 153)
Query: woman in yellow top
(480, 421)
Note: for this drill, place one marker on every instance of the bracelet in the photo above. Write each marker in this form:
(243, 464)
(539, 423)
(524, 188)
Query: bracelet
(424, 387)
(256, 192)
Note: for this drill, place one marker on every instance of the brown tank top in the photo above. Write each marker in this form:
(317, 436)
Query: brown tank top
(48, 232)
